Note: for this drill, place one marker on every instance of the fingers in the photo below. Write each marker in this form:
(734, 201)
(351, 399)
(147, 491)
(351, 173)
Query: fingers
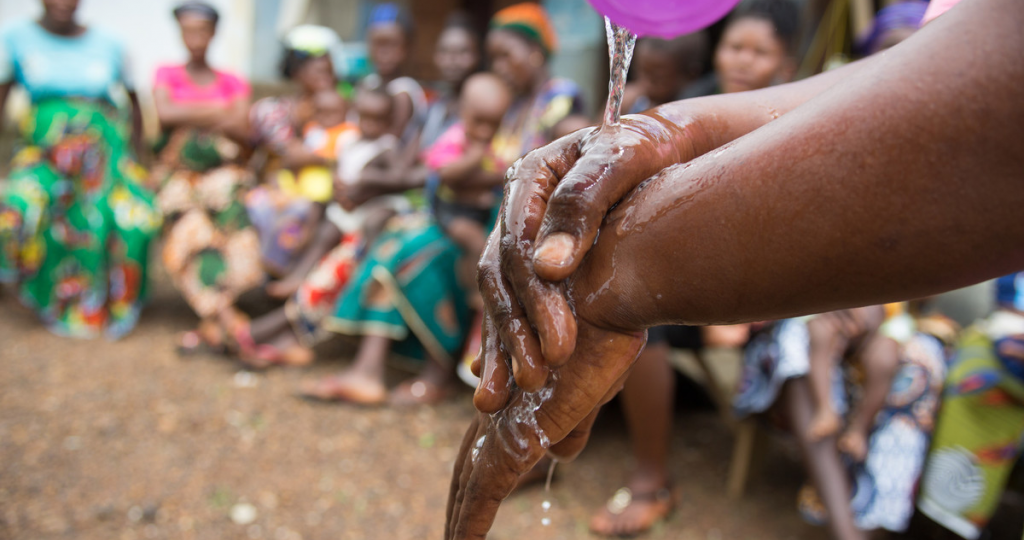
(545, 305)
(492, 475)
(454, 490)
(492, 393)
(507, 317)
(613, 161)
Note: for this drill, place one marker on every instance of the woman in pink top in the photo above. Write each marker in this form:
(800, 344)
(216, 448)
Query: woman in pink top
(211, 250)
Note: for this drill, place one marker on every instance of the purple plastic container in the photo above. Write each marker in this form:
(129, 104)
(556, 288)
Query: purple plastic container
(664, 18)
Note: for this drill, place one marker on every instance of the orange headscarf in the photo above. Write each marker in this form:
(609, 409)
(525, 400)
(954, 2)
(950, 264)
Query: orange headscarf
(529, 20)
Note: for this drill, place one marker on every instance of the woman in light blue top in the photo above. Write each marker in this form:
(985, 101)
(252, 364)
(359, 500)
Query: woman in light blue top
(75, 224)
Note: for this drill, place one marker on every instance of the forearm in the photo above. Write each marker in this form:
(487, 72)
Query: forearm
(687, 129)
(902, 182)
(138, 132)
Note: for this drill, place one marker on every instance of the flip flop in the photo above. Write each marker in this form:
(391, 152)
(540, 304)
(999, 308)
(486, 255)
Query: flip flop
(660, 504)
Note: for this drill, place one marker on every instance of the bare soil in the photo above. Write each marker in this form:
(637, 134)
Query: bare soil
(126, 440)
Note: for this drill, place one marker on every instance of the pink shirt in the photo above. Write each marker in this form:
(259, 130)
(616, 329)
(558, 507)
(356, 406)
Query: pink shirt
(449, 147)
(225, 88)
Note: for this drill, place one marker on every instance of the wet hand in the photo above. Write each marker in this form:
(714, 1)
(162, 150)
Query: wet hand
(555, 200)
(556, 419)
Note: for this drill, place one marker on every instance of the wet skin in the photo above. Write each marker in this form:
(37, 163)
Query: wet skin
(902, 181)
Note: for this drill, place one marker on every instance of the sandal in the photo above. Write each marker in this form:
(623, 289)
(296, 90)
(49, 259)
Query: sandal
(612, 519)
(193, 342)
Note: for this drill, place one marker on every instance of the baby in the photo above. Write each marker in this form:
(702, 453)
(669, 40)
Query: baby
(464, 201)
(359, 154)
(872, 336)
(302, 199)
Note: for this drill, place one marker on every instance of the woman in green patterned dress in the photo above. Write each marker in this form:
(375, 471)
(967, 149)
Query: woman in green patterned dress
(75, 225)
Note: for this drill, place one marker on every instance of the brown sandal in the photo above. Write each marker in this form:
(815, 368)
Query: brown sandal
(659, 505)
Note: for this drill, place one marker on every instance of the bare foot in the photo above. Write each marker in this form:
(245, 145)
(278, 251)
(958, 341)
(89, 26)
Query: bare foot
(630, 513)
(824, 424)
(418, 392)
(350, 387)
(283, 288)
(854, 443)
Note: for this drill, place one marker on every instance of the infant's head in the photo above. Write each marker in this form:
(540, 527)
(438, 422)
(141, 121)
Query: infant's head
(329, 108)
(374, 106)
(485, 99)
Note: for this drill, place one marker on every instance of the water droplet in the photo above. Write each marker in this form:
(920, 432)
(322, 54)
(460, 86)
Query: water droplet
(546, 505)
(545, 521)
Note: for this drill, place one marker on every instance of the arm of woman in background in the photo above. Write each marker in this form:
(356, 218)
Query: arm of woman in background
(173, 115)
(138, 131)
(811, 213)
(5, 90)
(234, 122)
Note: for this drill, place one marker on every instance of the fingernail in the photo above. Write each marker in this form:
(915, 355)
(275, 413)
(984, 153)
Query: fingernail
(556, 249)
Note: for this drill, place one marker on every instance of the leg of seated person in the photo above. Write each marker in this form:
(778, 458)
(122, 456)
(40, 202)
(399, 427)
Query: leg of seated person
(647, 400)
(325, 238)
(822, 460)
(375, 222)
(431, 386)
(362, 382)
(471, 238)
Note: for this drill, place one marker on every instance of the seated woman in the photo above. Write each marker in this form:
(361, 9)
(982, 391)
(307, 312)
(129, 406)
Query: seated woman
(752, 223)
(286, 336)
(889, 385)
(405, 297)
(75, 223)
(209, 245)
(979, 436)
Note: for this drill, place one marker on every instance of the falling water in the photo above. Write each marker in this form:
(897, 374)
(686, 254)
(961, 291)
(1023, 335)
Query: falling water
(620, 52)
(546, 505)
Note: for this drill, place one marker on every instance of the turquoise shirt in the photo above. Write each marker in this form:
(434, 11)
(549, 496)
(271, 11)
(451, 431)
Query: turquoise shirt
(89, 65)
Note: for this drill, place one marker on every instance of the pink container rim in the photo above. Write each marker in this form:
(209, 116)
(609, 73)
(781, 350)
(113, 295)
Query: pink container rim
(664, 18)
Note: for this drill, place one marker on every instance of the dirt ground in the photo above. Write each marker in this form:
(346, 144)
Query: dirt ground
(125, 440)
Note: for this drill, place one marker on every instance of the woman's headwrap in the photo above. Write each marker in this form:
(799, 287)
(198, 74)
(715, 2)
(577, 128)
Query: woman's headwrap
(1010, 291)
(201, 9)
(390, 13)
(311, 40)
(530, 21)
(902, 15)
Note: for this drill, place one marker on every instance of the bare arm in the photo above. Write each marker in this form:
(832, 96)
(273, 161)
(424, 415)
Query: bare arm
(401, 115)
(172, 115)
(900, 183)
(138, 132)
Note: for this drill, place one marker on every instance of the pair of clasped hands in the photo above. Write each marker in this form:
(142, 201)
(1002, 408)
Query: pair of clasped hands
(551, 322)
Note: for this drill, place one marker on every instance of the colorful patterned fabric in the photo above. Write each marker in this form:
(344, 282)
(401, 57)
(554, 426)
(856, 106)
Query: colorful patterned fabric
(883, 486)
(531, 21)
(406, 289)
(210, 249)
(280, 216)
(317, 297)
(980, 433)
(75, 225)
(557, 99)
